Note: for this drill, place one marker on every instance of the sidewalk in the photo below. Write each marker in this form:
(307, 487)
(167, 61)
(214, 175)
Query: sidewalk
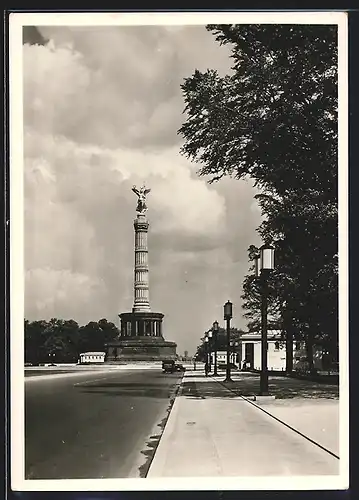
(212, 431)
(310, 407)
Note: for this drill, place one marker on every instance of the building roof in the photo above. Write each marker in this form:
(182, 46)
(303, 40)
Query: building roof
(93, 353)
(272, 335)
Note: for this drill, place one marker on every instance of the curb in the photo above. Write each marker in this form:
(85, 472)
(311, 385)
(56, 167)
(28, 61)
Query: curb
(170, 410)
(167, 427)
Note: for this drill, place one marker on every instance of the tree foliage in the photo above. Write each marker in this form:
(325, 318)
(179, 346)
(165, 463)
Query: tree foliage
(221, 343)
(274, 119)
(60, 340)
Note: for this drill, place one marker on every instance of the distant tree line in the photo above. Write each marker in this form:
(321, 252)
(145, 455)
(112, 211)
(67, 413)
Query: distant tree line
(61, 341)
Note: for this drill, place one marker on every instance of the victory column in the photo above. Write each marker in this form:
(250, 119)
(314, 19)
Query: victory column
(141, 337)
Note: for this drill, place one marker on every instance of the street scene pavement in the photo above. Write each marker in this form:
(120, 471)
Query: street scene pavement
(94, 424)
(139, 422)
(227, 435)
(196, 167)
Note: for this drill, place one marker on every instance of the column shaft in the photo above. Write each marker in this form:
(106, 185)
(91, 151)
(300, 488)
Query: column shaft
(141, 279)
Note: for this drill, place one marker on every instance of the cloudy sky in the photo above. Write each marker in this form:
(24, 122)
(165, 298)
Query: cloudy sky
(102, 106)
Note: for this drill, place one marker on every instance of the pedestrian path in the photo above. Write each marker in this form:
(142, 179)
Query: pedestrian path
(317, 417)
(213, 432)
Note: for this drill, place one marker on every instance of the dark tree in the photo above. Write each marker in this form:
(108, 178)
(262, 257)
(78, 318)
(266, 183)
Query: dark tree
(274, 119)
(34, 341)
(61, 337)
(235, 335)
(61, 341)
(94, 335)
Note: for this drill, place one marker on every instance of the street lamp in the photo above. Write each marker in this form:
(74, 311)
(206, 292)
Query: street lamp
(267, 257)
(206, 349)
(228, 316)
(215, 329)
(257, 266)
(210, 349)
(264, 265)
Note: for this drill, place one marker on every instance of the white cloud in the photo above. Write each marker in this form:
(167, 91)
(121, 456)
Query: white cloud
(101, 111)
(61, 293)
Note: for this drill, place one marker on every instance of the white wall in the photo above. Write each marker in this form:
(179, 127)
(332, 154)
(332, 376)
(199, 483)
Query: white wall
(276, 358)
(222, 357)
(92, 358)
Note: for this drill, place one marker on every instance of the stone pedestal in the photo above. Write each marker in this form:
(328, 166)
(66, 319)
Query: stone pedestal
(141, 337)
(140, 349)
(141, 324)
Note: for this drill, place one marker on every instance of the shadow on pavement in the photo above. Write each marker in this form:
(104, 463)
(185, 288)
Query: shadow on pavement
(134, 389)
(248, 385)
(41, 373)
(207, 389)
(194, 374)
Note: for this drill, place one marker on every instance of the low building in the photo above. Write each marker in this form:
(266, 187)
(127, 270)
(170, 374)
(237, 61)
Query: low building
(252, 355)
(222, 358)
(276, 359)
(249, 353)
(92, 358)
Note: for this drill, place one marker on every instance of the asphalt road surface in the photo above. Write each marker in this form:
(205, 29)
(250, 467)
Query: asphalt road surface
(94, 425)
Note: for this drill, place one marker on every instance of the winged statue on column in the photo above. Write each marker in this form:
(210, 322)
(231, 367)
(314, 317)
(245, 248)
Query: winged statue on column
(142, 193)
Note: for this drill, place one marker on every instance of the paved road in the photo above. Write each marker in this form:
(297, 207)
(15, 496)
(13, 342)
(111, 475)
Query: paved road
(93, 425)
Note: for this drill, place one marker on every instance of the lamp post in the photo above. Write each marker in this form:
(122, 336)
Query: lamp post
(206, 350)
(210, 334)
(264, 264)
(228, 316)
(215, 334)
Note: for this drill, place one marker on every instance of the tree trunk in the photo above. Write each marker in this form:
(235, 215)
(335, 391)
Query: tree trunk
(289, 350)
(288, 329)
(309, 349)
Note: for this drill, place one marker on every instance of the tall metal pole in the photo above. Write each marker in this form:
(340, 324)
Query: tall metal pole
(215, 373)
(228, 367)
(264, 327)
(209, 354)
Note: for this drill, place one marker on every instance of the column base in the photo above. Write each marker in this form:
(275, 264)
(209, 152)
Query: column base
(140, 349)
(141, 339)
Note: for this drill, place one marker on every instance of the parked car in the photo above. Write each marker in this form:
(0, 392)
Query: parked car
(168, 366)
